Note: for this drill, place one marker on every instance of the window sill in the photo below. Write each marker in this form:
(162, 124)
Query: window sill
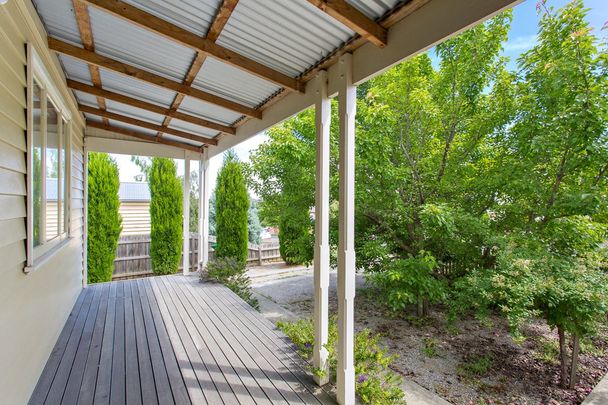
(41, 260)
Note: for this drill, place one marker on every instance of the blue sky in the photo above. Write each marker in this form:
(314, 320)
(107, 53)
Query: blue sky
(522, 37)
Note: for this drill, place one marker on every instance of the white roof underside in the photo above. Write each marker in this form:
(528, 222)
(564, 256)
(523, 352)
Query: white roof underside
(289, 36)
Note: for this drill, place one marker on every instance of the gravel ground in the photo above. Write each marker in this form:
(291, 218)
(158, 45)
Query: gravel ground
(440, 358)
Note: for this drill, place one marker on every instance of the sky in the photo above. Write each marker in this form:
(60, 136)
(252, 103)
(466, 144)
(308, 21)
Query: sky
(522, 37)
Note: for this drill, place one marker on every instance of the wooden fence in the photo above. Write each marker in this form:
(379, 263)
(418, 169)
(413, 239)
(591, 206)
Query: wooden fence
(133, 255)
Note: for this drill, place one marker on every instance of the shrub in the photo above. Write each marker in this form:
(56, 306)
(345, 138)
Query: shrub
(410, 281)
(231, 207)
(165, 216)
(231, 273)
(295, 237)
(104, 220)
(375, 382)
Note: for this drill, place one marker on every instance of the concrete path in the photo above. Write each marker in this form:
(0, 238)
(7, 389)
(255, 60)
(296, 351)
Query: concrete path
(599, 395)
(276, 288)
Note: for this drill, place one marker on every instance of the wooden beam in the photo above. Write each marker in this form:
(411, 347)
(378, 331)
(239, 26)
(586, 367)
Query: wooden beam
(142, 136)
(83, 21)
(216, 28)
(144, 105)
(152, 78)
(162, 27)
(221, 18)
(354, 19)
(145, 124)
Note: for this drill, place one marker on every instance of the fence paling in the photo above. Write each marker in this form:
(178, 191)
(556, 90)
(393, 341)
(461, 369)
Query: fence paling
(133, 255)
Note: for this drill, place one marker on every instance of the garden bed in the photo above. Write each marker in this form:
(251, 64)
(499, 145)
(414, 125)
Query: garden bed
(474, 362)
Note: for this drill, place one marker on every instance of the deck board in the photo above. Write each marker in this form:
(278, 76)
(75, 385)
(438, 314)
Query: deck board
(168, 340)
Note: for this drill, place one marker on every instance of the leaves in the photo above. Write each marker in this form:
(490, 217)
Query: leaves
(104, 224)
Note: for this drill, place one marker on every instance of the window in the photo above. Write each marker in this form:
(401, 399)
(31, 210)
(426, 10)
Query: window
(48, 136)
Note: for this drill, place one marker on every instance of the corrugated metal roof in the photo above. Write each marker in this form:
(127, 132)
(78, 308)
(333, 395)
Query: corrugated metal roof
(233, 84)
(75, 69)
(374, 8)
(134, 112)
(85, 98)
(289, 36)
(197, 107)
(134, 191)
(193, 15)
(182, 140)
(139, 47)
(59, 20)
(192, 128)
(136, 88)
(132, 127)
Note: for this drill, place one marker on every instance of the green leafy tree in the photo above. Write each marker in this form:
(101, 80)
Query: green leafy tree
(550, 181)
(282, 173)
(231, 207)
(104, 224)
(166, 211)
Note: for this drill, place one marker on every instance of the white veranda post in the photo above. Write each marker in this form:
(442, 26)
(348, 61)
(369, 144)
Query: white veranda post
(186, 214)
(347, 98)
(203, 209)
(321, 257)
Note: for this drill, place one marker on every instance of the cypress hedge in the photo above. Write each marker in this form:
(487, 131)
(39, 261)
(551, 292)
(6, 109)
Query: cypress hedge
(231, 207)
(104, 224)
(166, 216)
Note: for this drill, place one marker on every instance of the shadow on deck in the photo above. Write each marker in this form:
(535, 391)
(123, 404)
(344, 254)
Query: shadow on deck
(172, 339)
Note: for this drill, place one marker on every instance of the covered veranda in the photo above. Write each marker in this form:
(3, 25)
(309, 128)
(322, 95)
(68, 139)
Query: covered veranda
(189, 80)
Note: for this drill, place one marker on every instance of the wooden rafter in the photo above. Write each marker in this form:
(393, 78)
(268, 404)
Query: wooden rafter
(145, 124)
(142, 136)
(218, 24)
(144, 105)
(162, 27)
(354, 19)
(83, 21)
(152, 78)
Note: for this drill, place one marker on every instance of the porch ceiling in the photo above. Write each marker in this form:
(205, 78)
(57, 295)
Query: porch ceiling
(211, 73)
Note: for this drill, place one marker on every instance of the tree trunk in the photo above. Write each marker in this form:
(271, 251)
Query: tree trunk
(420, 310)
(563, 358)
(425, 307)
(574, 364)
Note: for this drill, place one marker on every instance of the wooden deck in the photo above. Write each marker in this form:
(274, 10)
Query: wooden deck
(171, 339)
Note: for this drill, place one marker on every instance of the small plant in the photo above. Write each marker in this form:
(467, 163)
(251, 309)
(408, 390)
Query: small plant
(475, 367)
(375, 382)
(547, 350)
(231, 273)
(430, 347)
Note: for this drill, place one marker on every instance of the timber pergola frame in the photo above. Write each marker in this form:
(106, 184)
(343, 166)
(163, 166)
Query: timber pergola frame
(368, 45)
(366, 29)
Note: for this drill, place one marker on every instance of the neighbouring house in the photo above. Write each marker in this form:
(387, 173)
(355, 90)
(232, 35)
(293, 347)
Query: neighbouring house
(134, 208)
(186, 81)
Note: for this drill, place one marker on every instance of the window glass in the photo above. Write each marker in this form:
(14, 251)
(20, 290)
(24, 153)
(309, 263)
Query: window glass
(52, 171)
(37, 163)
(62, 174)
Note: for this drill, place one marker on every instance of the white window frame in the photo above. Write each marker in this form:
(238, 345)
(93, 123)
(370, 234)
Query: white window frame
(36, 71)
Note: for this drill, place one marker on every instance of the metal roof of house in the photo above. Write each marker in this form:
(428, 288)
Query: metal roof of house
(205, 73)
(134, 191)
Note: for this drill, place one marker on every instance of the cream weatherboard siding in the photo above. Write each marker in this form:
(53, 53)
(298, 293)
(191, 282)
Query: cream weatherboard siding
(135, 218)
(35, 306)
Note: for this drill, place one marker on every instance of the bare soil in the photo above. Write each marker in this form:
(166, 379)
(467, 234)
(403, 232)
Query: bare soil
(474, 362)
